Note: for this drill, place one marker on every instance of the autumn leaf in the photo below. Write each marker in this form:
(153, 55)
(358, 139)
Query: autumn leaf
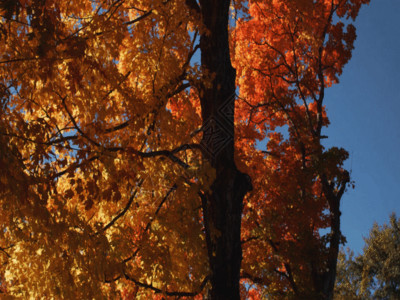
(130, 157)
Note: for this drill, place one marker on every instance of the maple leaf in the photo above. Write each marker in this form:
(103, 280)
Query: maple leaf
(129, 155)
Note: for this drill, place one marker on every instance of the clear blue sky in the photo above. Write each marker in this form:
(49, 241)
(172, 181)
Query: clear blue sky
(364, 110)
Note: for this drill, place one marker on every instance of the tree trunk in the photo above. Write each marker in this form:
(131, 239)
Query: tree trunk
(222, 206)
(325, 282)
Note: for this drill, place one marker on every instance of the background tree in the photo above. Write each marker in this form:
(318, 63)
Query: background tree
(130, 168)
(375, 274)
(349, 277)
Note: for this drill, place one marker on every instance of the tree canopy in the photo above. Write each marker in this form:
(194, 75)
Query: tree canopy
(374, 274)
(170, 148)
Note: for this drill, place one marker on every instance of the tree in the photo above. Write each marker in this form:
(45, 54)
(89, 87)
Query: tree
(130, 166)
(349, 277)
(375, 274)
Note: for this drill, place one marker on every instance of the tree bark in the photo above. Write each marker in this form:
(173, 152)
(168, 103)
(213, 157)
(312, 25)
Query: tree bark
(325, 282)
(222, 205)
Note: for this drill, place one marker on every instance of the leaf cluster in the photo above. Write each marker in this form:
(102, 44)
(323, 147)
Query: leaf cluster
(374, 274)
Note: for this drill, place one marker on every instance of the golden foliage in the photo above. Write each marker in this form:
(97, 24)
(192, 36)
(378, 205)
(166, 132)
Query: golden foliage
(101, 167)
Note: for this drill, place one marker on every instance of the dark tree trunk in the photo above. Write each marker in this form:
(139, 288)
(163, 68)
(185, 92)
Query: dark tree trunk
(325, 282)
(222, 206)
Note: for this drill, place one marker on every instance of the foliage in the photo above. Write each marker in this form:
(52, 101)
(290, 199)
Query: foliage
(349, 277)
(375, 274)
(109, 171)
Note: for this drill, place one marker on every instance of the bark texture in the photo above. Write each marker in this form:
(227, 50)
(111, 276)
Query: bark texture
(222, 206)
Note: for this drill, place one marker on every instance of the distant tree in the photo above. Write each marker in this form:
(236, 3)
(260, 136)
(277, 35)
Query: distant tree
(349, 276)
(376, 273)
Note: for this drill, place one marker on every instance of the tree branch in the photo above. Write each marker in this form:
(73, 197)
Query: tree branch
(173, 188)
(168, 293)
(193, 5)
(74, 167)
(123, 212)
(139, 18)
(167, 153)
(5, 252)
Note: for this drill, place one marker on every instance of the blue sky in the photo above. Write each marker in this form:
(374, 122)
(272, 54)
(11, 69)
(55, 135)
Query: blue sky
(364, 110)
